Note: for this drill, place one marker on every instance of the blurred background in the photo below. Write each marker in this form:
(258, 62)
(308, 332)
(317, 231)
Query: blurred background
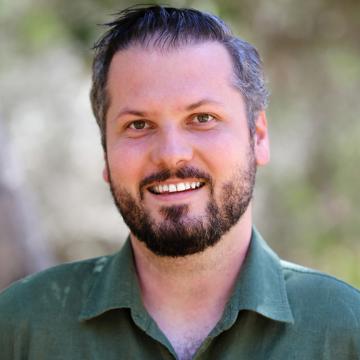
(54, 206)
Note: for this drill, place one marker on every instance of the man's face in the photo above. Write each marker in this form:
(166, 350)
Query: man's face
(180, 162)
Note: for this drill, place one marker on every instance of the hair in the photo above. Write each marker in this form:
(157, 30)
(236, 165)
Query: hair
(166, 28)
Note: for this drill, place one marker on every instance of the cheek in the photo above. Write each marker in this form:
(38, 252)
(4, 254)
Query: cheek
(125, 164)
(222, 151)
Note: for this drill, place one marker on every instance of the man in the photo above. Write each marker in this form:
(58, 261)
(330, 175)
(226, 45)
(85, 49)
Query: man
(180, 103)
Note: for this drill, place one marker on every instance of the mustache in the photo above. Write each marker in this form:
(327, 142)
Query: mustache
(181, 173)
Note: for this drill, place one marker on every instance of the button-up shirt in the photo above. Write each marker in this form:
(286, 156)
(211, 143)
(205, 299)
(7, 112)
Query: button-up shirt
(93, 309)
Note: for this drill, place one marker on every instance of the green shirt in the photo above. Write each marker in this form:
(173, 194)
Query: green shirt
(93, 310)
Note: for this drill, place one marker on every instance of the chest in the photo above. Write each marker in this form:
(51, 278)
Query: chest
(186, 333)
(187, 342)
(117, 335)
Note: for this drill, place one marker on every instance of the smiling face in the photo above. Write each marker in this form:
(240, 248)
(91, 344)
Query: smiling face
(180, 161)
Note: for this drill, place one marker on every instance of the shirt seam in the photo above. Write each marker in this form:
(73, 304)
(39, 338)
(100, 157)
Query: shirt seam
(323, 275)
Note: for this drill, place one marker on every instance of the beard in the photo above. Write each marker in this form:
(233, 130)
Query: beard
(179, 234)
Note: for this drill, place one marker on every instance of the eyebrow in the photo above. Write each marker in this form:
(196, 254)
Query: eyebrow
(193, 106)
(128, 111)
(200, 103)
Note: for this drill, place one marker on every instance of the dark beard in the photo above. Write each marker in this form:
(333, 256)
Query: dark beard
(180, 235)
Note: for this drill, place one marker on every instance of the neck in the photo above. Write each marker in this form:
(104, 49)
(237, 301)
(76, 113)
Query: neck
(205, 277)
(186, 296)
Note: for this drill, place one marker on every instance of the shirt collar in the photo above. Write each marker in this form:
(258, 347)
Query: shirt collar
(261, 285)
(259, 288)
(115, 286)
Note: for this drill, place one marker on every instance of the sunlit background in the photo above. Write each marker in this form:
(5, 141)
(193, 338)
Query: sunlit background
(54, 206)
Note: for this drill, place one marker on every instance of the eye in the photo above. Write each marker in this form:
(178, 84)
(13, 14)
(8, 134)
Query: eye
(203, 118)
(139, 125)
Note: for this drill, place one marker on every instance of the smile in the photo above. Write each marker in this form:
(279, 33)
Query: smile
(173, 188)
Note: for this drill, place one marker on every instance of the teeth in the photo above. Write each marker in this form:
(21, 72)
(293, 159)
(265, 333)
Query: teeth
(180, 187)
(172, 188)
(159, 189)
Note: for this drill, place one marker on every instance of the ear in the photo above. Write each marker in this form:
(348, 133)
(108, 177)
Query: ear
(261, 140)
(105, 172)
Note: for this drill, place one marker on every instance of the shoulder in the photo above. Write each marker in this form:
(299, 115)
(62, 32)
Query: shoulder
(42, 310)
(320, 299)
(50, 291)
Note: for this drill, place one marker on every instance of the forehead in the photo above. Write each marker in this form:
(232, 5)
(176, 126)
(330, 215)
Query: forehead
(208, 60)
(172, 77)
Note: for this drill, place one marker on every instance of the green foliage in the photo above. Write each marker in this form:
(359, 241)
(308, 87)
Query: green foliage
(311, 53)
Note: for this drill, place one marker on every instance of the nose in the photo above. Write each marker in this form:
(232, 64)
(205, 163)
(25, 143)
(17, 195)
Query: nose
(172, 148)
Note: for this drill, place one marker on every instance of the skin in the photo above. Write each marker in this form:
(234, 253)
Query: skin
(189, 113)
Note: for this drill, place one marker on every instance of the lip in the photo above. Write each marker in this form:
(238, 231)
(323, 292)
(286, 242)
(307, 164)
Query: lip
(175, 181)
(175, 196)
